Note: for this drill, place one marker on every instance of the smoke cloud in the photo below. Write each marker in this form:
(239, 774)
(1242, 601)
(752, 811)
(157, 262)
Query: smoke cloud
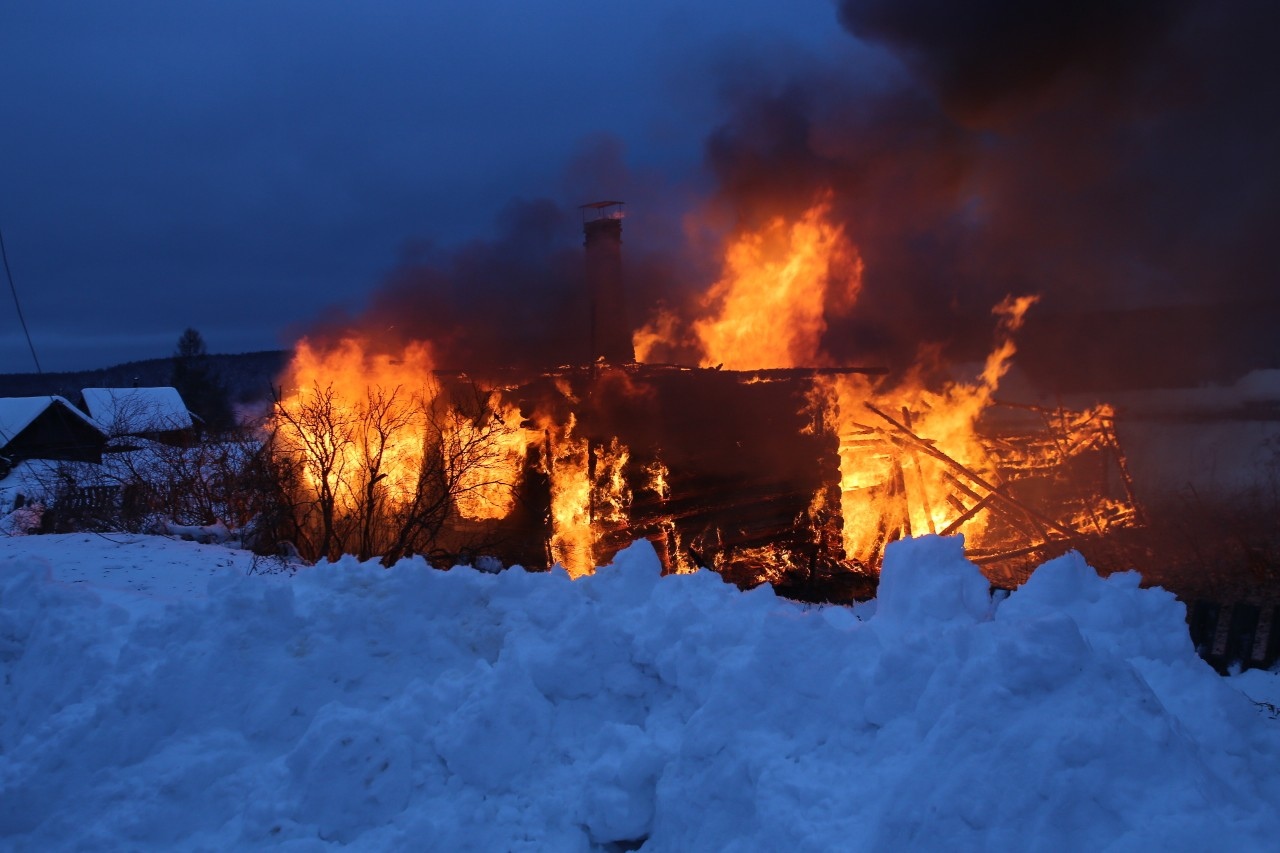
(495, 302)
(982, 55)
(1113, 157)
(1116, 158)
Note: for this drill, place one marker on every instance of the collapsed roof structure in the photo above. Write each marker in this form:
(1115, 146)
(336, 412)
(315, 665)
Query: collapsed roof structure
(794, 476)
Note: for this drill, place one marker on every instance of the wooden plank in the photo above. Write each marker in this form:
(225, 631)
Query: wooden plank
(967, 514)
(1262, 636)
(973, 476)
(1222, 633)
(921, 485)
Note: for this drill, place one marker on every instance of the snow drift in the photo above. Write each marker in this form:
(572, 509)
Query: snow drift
(416, 709)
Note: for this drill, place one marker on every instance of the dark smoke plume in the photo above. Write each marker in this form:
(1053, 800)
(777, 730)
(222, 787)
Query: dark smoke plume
(1115, 157)
(518, 299)
(979, 54)
(505, 301)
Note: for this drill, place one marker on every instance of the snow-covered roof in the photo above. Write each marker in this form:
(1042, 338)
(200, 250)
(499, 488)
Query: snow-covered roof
(132, 411)
(17, 413)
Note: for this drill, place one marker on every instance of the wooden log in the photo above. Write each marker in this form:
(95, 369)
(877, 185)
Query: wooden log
(973, 476)
(966, 515)
(1018, 521)
(995, 557)
(1222, 633)
(920, 481)
(1262, 636)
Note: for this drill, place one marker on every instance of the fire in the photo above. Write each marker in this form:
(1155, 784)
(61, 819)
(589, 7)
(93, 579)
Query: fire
(589, 493)
(387, 460)
(568, 464)
(612, 492)
(490, 462)
(659, 474)
(355, 409)
(769, 307)
(395, 459)
(912, 460)
(661, 331)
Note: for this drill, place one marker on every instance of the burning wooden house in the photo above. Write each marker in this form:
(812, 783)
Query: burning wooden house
(757, 463)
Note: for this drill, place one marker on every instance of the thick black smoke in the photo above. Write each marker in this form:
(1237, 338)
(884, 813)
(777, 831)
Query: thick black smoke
(1116, 157)
(982, 54)
(503, 301)
(518, 298)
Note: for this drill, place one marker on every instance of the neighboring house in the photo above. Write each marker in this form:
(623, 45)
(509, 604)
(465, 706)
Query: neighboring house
(155, 413)
(47, 428)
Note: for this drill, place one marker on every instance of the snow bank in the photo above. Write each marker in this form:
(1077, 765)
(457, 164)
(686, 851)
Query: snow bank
(416, 709)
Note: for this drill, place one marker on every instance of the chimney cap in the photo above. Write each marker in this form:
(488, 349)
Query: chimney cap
(603, 210)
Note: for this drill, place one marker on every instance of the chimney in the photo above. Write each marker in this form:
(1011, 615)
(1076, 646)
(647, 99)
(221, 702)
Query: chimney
(610, 332)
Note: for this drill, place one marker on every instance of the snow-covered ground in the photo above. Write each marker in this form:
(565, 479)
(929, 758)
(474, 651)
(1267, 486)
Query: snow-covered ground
(158, 696)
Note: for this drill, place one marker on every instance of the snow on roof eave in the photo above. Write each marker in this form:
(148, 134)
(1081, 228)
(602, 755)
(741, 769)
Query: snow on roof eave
(137, 410)
(17, 413)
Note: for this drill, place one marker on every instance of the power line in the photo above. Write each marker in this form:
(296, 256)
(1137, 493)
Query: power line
(16, 304)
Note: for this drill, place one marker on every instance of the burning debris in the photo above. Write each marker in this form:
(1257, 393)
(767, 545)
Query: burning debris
(766, 463)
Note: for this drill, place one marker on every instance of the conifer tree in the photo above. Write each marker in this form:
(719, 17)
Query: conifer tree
(196, 381)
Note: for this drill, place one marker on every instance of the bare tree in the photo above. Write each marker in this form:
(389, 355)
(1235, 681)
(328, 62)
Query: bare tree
(383, 475)
(318, 432)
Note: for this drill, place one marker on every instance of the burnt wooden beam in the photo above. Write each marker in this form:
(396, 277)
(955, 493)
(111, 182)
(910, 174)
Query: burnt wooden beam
(972, 475)
(967, 514)
(995, 557)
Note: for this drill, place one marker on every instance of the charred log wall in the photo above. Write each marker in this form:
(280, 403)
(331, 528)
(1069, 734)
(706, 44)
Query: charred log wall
(743, 459)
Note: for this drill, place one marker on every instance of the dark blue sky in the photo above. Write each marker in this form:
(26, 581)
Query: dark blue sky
(236, 166)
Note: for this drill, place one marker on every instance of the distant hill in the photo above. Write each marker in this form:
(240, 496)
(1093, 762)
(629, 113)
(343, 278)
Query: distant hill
(248, 377)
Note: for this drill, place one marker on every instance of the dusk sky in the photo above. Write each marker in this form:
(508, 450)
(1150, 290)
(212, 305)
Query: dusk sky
(257, 171)
(238, 166)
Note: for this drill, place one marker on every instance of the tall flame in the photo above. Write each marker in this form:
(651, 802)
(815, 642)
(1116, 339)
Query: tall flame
(891, 482)
(363, 406)
(568, 467)
(486, 486)
(769, 307)
(902, 452)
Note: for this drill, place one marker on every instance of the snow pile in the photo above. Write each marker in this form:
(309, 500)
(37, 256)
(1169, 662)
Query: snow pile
(415, 709)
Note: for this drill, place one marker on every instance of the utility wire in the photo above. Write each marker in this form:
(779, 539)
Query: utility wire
(16, 304)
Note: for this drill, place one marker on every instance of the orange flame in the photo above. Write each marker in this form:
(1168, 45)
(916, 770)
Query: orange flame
(358, 407)
(486, 486)
(904, 453)
(891, 483)
(769, 307)
(572, 537)
(367, 425)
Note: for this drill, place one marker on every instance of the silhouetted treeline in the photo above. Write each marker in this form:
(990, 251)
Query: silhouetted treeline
(248, 377)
